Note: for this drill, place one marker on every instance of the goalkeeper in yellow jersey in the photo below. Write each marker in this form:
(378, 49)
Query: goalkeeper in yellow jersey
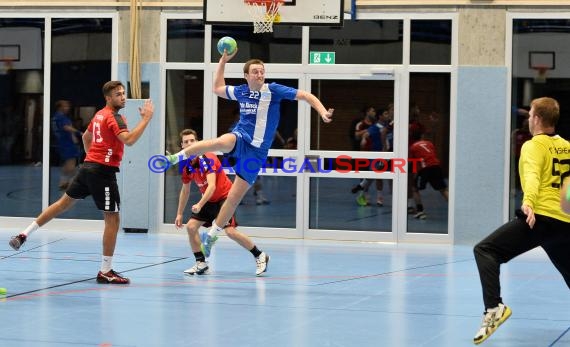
(543, 165)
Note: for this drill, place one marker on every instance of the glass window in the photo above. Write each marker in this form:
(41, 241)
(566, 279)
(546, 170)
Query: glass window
(431, 42)
(428, 135)
(361, 42)
(80, 65)
(185, 40)
(184, 109)
(537, 70)
(270, 203)
(283, 45)
(330, 195)
(350, 109)
(21, 115)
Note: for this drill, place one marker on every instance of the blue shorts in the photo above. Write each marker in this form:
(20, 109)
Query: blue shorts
(68, 152)
(249, 159)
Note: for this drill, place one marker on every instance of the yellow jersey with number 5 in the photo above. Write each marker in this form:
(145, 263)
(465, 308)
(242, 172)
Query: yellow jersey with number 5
(543, 165)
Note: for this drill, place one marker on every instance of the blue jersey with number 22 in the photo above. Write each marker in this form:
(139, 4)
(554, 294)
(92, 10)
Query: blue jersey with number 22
(259, 111)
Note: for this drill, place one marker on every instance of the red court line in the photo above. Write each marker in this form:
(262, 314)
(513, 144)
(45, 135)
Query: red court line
(104, 287)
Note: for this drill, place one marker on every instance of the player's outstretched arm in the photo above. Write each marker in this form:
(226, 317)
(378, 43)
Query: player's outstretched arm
(219, 81)
(315, 103)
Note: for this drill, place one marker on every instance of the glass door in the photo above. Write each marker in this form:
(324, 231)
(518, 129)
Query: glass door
(351, 187)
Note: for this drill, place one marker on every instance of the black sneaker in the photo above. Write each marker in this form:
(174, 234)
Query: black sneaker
(356, 188)
(17, 241)
(112, 277)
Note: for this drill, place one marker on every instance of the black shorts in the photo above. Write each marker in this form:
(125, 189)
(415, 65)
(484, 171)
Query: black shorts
(97, 180)
(210, 211)
(433, 175)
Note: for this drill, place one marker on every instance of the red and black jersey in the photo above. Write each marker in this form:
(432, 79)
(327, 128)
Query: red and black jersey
(425, 150)
(415, 131)
(199, 168)
(106, 148)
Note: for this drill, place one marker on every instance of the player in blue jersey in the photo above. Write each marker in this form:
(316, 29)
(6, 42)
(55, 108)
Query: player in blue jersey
(251, 138)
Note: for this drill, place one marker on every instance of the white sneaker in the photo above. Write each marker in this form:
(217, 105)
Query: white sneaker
(200, 268)
(262, 201)
(261, 263)
(492, 319)
(420, 215)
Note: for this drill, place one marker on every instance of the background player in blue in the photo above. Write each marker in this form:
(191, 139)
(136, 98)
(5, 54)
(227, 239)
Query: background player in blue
(66, 139)
(250, 140)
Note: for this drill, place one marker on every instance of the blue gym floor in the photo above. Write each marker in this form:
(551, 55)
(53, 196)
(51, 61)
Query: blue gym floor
(315, 293)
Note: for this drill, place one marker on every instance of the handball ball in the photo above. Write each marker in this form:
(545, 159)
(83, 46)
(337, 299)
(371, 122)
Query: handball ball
(227, 43)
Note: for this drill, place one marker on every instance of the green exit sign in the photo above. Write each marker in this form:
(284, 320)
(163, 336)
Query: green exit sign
(322, 58)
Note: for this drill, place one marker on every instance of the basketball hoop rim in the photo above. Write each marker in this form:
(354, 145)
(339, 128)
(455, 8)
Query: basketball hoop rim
(541, 68)
(263, 2)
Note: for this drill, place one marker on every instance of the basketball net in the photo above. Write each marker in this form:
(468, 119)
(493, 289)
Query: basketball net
(541, 74)
(263, 14)
(5, 66)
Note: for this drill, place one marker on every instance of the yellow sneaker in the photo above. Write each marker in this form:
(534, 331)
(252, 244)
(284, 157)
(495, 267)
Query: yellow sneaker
(361, 200)
(492, 319)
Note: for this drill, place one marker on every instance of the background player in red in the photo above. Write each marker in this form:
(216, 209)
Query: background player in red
(429, 170)
(104, 142)
(206, 171)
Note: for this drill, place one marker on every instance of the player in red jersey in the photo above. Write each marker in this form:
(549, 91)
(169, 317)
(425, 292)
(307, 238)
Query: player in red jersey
(104, 142)
(207, 173)
(429, 171)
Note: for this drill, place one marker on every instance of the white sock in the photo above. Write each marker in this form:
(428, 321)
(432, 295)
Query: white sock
(215, 230)
(106, 263)
(31, 228)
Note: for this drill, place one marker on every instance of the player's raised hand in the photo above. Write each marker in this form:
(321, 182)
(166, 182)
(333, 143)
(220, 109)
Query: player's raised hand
(147, 110)
(227, 57)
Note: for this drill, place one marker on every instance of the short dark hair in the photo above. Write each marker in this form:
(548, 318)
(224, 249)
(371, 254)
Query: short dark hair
(189, 132)
(110, 86)
(251, 62)
(60, 103)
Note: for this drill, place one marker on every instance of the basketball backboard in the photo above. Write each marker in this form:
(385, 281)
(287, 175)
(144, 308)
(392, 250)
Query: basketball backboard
(300, 12)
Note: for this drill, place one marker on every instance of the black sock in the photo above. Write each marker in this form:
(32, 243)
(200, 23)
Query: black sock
(256, 252)
(199, 256)
(420, 207)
